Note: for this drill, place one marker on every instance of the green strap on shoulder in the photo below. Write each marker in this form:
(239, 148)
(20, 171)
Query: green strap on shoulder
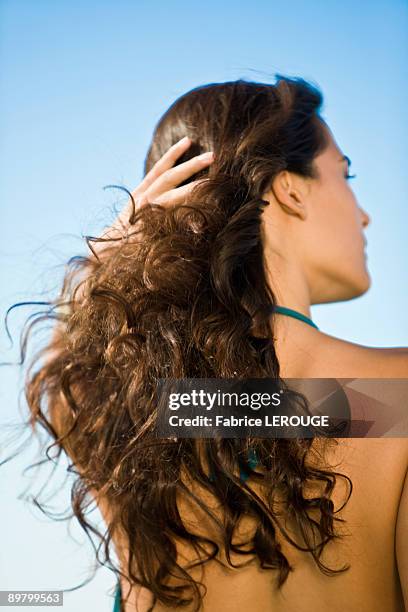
(294, 313)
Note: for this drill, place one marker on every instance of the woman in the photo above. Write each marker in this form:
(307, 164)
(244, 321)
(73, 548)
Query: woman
(210, 271)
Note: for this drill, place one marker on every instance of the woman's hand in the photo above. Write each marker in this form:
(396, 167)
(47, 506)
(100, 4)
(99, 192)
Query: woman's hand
(159, 186)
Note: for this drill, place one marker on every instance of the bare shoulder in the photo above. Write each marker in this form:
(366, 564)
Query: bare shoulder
(339, 358)
(401, 539)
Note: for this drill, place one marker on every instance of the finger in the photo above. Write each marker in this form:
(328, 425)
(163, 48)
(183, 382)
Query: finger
(178, 195)
(174, 176)
(165, 162)
(121, 222)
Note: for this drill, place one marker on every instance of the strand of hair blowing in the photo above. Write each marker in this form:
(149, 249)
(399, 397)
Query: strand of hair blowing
(177, 297)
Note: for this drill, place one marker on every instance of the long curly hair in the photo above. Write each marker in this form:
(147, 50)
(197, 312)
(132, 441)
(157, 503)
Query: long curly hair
(183, 294)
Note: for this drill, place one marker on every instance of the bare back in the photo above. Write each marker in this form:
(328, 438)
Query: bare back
(375, 541)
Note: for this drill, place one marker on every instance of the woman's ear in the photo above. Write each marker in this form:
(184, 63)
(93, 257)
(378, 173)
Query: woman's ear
(289, 191)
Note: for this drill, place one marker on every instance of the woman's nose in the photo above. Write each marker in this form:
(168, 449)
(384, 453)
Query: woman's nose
(365, 217)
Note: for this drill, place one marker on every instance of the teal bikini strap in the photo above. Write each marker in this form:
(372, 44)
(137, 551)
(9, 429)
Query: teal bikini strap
(252, 462)
(293, 313)
(118, 596)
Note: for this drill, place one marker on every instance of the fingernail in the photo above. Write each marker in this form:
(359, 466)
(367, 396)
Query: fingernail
(206, 156)
(184, 140)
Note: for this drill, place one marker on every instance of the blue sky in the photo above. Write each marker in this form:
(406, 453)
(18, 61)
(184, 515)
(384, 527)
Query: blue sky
(83, 84)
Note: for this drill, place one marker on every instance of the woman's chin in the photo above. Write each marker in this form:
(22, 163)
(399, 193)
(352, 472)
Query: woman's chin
(366, 281)
(344, 289)
(359, 286)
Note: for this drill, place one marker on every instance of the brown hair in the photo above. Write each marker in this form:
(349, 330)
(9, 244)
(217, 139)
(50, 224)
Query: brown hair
(178, 297)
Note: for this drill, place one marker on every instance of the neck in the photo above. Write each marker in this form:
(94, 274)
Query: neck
(289, 285)
(294, 340)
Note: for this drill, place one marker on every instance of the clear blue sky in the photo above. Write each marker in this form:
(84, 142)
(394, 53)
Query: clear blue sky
(82, 86)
